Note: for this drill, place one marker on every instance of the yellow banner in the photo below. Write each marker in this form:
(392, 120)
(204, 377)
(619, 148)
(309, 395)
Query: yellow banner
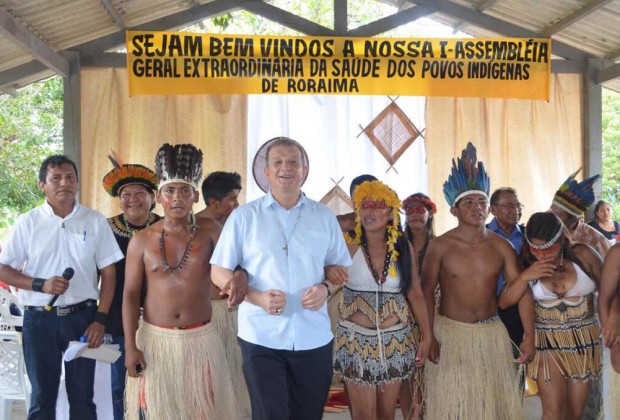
(178, 63)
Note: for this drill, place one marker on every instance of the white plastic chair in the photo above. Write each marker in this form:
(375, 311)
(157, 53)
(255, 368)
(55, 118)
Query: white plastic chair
(14, 384)
(8, 322)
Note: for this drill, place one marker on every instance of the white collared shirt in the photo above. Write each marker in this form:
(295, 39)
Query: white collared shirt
(252, 239)
(45, 245)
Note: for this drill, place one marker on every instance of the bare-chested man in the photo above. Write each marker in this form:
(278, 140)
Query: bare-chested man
(474, 375)
(609, 316)
(175, 359)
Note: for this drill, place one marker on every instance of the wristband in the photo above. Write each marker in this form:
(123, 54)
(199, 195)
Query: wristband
(37, 284)
(101, 318)
(329, 292)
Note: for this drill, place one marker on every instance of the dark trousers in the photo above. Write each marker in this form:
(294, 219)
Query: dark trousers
(511, 319)
(118, 380)
(46, 336)
(285, 384)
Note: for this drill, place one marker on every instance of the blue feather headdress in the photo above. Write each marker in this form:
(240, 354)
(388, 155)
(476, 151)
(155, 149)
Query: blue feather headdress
(466, 178)
(575, 197)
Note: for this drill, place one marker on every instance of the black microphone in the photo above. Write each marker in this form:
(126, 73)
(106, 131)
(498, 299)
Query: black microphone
(68, 273)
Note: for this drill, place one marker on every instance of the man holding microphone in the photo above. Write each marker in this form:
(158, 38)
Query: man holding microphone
(44, 243)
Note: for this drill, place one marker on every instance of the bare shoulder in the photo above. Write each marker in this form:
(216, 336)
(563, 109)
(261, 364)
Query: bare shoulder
(441, 243)
(500, 242)
(613, 255)
(586, 254)
(209, 227)
(145, 235)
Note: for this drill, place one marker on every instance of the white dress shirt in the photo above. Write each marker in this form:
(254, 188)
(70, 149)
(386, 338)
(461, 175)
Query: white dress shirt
(255, 237)
(46, 244)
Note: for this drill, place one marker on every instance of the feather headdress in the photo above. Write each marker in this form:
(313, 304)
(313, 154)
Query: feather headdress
(466, 177)
(179, 163)
(377, 191)
(575, 197)
(126, 174)
(420, 199)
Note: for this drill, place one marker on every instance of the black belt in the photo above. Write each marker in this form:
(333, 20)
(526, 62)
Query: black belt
(64, 310)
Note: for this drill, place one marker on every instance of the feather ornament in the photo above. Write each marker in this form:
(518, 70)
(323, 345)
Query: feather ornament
(467, 175)
(179, 163)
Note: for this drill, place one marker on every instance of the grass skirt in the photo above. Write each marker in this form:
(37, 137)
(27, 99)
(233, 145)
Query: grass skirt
(225, 322)
(476, 377)
(365, 357)
(186, 376)
(611, 390)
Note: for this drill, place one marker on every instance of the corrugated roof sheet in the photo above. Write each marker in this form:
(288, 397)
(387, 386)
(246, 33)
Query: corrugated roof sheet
(63, 24)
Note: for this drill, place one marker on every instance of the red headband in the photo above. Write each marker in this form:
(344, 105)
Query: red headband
(424, 201)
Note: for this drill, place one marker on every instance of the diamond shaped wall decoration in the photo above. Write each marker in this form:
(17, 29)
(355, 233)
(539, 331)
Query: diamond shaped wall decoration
(392, 132)
(338, 201)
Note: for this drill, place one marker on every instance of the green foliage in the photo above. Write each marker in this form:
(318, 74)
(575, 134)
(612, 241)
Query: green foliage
(611, 149)
(223, 21)
(360, 13)
(30, 130)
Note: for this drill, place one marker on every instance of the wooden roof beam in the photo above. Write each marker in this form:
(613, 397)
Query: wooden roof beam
(588, 8)
(613, 56)
(499, 26)
(393, 21)
(111, 10)
(608, 73)
(287, 19)
(17, 33)
(9, 90)
(485, 4)
(176, 20)
(341, 17)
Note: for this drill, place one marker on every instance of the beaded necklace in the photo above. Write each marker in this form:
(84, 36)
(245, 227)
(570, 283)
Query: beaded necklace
(191, 231)
(557, 280)
(386, 263)
(130, 231)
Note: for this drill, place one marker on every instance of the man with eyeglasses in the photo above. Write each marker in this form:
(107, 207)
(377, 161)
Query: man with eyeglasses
(506, 208)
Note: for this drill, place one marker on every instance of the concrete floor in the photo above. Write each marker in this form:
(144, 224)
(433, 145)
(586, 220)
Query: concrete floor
(533, 411)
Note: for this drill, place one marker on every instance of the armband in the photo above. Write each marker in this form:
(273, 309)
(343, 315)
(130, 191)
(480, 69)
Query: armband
(101, 318)
(37, 284)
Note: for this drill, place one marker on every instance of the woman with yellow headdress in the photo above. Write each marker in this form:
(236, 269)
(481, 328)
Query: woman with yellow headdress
(374, 349)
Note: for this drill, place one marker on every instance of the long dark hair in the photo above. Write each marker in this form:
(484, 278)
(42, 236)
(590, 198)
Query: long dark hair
(430, 230)
(544, 226)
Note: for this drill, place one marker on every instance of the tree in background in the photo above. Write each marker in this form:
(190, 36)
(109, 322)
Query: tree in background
(611, 150)
(30, 130)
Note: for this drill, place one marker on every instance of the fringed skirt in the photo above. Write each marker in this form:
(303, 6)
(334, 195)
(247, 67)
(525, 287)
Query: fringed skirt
(186, 376)
(373, 357)
(567, 335)
(225, 322)
(476, 377)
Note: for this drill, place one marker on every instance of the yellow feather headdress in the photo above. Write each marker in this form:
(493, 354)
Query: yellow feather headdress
(377, 191)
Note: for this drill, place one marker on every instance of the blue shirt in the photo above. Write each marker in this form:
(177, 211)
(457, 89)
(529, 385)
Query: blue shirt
(254, 237)
(516, 240)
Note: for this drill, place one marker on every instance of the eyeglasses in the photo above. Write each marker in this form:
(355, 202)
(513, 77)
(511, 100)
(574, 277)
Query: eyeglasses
(511, 206)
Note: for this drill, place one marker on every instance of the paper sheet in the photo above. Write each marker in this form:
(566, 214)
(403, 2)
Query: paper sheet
(107, 353)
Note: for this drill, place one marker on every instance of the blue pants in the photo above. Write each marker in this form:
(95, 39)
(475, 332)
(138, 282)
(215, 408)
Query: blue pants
(46, 336)
(286, 384)
(118, 380)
